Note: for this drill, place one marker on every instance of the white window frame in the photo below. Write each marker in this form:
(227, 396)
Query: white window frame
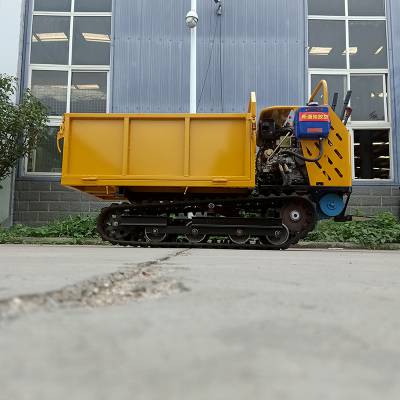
(359, 125)
(53, 123)
(70, 68)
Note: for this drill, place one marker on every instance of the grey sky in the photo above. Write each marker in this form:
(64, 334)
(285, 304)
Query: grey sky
(10, 25)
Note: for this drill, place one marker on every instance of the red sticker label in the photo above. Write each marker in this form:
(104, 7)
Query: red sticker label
(313, 116)
(314, 130)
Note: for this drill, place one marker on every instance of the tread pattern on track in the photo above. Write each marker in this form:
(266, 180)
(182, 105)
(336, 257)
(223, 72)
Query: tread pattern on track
(157, 208)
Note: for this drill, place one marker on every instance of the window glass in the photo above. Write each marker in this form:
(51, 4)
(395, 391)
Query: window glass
(93, 6)
(336, 83)
(46, 157)
(53, 5)
(326, 7)
(368, 98)
(327, 44)
(50, 40)
(50, 87)
(92, 36)
(367, 7)
(367, 44)
(89, 92)
(372, 154)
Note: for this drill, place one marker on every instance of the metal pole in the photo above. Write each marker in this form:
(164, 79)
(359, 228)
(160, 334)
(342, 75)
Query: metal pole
(193, 65)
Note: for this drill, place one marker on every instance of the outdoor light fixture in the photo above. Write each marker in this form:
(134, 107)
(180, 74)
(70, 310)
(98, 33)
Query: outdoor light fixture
(219, 8)
(191, 19)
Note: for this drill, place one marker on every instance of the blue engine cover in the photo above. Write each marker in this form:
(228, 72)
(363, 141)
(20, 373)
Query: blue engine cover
(312, 122)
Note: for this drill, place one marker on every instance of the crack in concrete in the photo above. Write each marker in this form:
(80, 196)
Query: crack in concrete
(144, 280)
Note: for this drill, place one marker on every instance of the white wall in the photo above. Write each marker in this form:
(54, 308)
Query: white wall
(10, 33)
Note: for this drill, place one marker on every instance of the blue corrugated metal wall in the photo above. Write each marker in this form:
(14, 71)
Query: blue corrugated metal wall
(150, 69)
(261, 47)
(393, 7)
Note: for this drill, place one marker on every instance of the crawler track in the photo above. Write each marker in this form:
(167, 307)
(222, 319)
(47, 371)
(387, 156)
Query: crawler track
(254, 222)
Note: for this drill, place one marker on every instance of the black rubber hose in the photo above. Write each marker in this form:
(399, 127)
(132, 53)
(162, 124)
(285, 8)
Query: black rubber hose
(321, 153)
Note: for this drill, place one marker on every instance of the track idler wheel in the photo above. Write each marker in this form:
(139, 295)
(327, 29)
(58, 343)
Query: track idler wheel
(154, 234)
(240, 237)
(279, 237)
(195, 236)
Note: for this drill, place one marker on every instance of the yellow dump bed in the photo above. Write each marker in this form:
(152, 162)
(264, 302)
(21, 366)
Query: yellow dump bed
(103, 153)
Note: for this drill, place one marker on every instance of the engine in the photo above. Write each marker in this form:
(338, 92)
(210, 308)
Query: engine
(279, 158)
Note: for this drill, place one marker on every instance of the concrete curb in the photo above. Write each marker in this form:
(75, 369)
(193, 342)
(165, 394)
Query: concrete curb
(346, 245)
(96, 242)
(53, 241)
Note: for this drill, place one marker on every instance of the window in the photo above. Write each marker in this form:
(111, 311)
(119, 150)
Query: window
(46, 158)
(89, 92)
(348, 48)
(51, 88)
(367, 48)
(368, 100)
(372, 154)
(367, 8)
(92, 37)
(93, 6)
(50, 40)
(69, 66)
(327, 41)
(326, 7)
(53, 5)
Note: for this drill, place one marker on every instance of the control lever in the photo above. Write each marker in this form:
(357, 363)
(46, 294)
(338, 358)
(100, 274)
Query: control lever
(347, 115)
(346, 104)
(335, 100)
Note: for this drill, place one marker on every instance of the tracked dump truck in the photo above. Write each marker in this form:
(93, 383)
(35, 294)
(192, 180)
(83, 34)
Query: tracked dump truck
(212, 180)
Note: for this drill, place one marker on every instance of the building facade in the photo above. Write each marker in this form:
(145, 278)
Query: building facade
(133, 56)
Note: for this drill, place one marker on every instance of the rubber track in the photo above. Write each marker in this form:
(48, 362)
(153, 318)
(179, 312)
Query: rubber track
(157, 208)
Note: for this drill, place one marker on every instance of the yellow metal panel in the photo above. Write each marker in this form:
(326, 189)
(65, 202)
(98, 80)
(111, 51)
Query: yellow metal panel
(95, 147)
(334, 168)
(186, 163)
(126, 147)
(157, 147)
(219, 148)
(159, 152)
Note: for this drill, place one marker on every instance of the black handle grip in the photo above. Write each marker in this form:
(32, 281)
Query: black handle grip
(346, 104)
(335, 100)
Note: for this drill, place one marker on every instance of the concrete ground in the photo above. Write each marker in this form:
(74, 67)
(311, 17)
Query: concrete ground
(300, 324)
(36, 269)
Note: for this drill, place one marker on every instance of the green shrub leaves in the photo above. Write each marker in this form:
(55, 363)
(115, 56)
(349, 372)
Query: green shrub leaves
(72, 227)
(22, 126)
(381, 229)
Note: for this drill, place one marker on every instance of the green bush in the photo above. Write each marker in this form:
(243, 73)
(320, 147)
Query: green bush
(72, 227)
(381, 229)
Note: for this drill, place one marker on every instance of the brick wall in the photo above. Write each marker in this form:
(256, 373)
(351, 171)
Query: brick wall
(38, 202)
(369, 200)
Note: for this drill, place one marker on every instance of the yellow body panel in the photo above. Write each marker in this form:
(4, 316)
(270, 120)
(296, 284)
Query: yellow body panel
(159, 152)
(334, 168)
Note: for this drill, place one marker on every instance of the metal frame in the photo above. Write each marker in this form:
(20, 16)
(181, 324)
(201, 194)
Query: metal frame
(69, 68)
(348, 72)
